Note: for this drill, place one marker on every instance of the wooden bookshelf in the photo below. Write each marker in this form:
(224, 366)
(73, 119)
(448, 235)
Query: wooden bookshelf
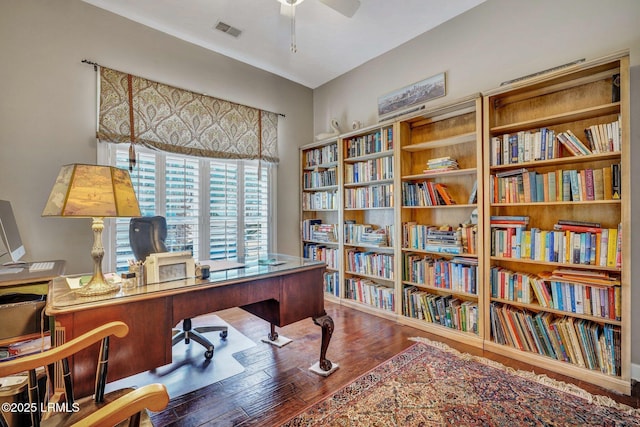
(452, 132)
(381, 187)
(515, 116)
(369, 195)
(320, 192)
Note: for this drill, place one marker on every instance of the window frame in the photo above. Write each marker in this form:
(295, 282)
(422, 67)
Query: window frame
(106, 155)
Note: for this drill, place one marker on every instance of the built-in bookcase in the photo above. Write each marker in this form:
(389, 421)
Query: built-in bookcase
(557, 222)
(501, 220)
(368, 219)
(441, 208)
(320, 227)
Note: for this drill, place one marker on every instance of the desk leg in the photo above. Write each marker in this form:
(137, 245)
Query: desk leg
(273, 336)
(326, 323)
(274, 339)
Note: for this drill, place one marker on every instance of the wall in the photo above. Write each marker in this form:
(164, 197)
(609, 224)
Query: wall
(497, 41)
(48, 107)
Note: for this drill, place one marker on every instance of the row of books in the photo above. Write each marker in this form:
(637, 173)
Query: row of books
(315, 230)
(367, 234)
(317, 252)
(374, 196)
(436, 239)
(580, 298)
(524, 186)
(599, 246)
(371, 293)
(370, 263)
(460, 274)
(321, 155)
(319, 178)
(332, 283)
(369, 171)
(544, 144)
(320, 200)
(578, 341)
(444, 310)
(426, 193)
(370, 143)
(524, 146)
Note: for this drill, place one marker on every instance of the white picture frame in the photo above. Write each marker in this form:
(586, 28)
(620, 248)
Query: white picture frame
(168, 266)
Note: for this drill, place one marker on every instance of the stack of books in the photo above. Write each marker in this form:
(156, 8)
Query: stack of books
(441, 164)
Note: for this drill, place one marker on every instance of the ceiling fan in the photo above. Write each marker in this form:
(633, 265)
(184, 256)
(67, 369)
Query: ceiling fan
(345, 7)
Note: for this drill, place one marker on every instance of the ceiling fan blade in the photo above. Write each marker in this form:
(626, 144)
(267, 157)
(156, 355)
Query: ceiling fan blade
(345, 7)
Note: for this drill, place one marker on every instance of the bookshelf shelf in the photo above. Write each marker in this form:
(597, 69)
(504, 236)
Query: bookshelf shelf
(468, 338)
(377, 155)
(558, 161)
(444, 254)
(445, 142)
(557, 119)
(321, 166)
(444, 174)
(585, 202)
(582, 101)
(325, 188)
(537, 308)
(465, 295)
(368, 183)
(464, 205)
(556, 264)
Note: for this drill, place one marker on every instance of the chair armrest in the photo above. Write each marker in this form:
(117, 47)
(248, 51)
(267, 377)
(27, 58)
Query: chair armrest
(34, 361)
(152, 396)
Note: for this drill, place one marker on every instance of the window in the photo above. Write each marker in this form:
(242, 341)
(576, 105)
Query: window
(216, 209)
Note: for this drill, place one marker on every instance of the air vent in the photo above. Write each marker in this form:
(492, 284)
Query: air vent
(226, 28)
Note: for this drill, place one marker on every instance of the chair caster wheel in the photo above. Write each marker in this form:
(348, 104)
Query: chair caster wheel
(223, 334)
(208, 354)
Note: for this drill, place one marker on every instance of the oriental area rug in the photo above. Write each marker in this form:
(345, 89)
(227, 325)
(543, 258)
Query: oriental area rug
(430, 384)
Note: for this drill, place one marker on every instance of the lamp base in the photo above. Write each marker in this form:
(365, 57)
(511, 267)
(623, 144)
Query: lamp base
(97, 286)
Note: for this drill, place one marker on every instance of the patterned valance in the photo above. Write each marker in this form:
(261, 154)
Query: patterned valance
(180, 121)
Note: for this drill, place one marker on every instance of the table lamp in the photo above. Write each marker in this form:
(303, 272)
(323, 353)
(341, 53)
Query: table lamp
(93, 191)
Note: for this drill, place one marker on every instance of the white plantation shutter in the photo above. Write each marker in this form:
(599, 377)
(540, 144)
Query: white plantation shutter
(218, 209)
(223, 209)
(182, 192)
(256, 212)
(143, 178)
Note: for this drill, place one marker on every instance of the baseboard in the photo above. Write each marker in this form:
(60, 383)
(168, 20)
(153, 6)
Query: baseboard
(635, 372)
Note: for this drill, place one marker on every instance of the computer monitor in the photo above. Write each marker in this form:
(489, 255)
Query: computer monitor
(9, 234)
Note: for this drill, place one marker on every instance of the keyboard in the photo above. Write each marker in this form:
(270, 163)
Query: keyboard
(41, 266)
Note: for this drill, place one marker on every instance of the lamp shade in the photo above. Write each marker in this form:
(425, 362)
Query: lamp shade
(92, 191)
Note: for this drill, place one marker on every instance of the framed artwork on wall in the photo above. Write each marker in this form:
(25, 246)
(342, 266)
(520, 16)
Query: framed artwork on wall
(409, 98)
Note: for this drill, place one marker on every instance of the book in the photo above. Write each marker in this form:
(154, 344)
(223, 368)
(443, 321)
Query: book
(615, 181)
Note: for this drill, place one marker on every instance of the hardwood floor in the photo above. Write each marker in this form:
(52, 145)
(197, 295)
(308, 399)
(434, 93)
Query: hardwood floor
(277, 383)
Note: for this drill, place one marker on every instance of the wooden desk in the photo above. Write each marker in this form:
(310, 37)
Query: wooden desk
(281, 295)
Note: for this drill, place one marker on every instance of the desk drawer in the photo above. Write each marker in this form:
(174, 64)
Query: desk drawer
(22, 317)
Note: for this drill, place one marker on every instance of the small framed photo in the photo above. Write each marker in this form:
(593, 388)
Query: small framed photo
(408, 98)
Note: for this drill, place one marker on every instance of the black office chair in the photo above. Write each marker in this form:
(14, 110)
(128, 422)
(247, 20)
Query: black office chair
(147, 235)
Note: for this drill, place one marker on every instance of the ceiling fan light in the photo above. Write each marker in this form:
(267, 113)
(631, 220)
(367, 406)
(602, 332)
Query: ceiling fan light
(291, 2)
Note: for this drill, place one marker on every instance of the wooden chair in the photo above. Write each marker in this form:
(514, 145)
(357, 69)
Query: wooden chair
(99, 410)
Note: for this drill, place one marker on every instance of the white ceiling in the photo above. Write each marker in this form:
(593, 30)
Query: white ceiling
(328, 43)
